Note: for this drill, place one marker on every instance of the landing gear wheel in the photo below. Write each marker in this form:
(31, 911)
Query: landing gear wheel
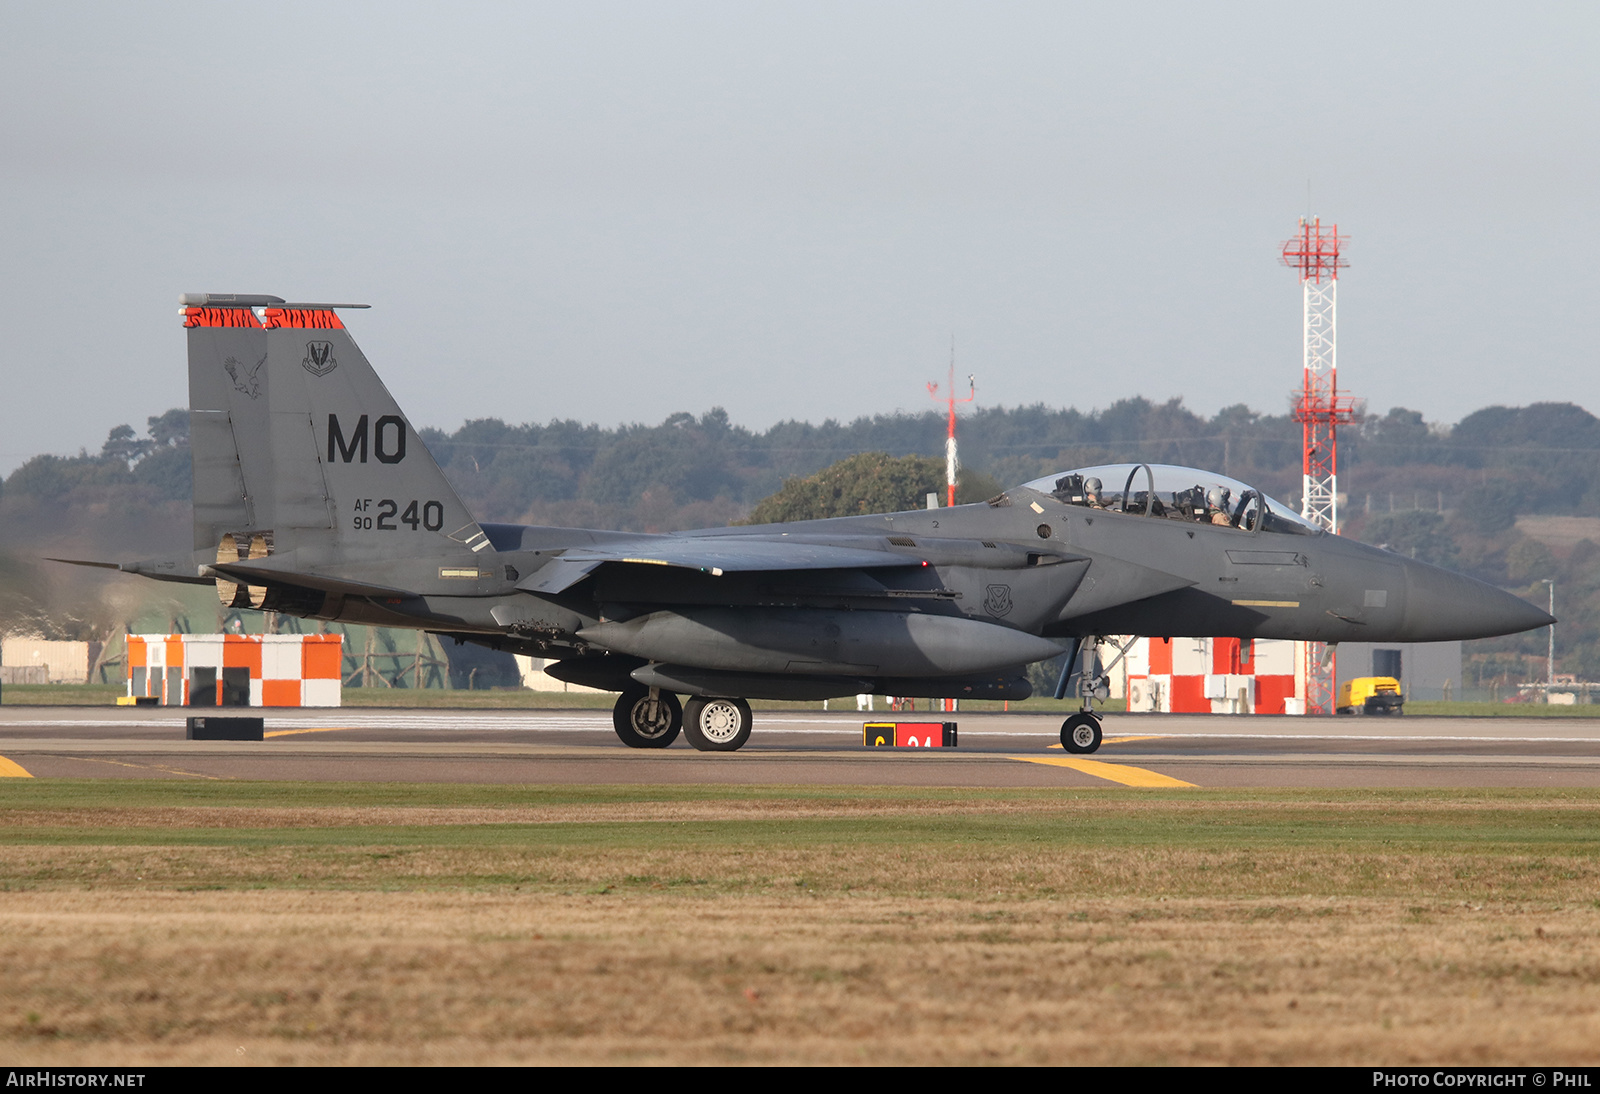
(717, 725)
(1081, 733)
(643, 721)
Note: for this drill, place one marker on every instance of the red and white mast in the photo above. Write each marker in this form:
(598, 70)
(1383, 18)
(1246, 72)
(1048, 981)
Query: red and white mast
(1320, 409)
(1315, 254)
(951, 464)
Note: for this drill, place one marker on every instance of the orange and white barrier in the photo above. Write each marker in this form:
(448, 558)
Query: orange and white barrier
(258, 670)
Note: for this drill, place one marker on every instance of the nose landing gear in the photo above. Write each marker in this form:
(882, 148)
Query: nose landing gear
(1081, 733)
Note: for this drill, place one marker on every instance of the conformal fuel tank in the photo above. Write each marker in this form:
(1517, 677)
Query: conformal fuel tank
(821, 642)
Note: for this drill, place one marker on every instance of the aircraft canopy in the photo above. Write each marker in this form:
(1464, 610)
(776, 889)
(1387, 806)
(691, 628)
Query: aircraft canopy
(1179, 493)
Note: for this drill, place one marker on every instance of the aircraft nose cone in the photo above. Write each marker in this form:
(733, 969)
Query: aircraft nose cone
(1442, 606)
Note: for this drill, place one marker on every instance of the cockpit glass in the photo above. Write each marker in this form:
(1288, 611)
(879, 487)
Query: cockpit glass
(1174, 493)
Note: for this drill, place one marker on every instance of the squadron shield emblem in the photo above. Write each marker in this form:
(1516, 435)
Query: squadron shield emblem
(997, 600)
(319, 360)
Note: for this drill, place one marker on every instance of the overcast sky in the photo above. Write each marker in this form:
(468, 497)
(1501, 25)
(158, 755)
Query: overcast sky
(614, 212)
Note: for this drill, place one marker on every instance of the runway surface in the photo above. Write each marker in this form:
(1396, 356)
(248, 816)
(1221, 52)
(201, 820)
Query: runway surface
(996, 750)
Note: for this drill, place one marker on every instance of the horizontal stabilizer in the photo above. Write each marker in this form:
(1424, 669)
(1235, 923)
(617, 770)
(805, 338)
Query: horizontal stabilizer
(86, 562)
(161, 569)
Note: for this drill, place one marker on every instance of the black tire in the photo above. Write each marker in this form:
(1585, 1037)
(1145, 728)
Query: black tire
(645, 723)
(1081, 734)
(717, 725)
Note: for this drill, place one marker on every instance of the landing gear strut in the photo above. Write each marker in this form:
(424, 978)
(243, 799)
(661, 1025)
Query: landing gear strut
(648, 717)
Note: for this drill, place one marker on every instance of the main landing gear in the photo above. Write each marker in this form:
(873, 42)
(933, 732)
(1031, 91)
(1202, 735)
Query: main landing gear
(647, 717)
(652, 718)
(717, 725)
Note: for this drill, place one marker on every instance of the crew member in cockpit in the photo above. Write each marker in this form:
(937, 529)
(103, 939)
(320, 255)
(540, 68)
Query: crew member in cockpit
(1091, 494)
(1217, 499)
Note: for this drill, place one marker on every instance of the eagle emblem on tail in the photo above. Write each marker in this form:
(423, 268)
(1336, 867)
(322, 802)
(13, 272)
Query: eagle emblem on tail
(249, 381)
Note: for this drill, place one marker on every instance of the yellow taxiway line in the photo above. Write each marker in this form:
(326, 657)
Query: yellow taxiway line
(1117, 773)
(151, 767)
(9, 769)
(288, 732)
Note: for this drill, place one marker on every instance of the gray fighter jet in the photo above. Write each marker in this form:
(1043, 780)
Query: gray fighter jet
(314, 496)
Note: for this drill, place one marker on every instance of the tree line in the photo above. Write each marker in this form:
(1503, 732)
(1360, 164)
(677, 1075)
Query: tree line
(1451, 495)
(706, 470)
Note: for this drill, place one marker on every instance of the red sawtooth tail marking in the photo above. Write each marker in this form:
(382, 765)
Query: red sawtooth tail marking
(219, 317)
(304, 318)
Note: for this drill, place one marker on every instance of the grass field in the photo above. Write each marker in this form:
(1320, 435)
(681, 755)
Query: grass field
(218, 922)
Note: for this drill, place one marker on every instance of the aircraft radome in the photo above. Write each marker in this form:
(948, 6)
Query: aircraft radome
(313, 495)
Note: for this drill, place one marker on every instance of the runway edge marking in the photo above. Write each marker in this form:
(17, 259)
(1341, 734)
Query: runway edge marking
(10, 769)
(1117, 773)
(1121, 740)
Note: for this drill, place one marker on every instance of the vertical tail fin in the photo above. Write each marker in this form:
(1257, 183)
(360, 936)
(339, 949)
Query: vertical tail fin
(295, 439)
(227, 350)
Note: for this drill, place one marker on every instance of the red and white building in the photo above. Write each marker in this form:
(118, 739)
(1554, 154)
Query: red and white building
(1216, 676)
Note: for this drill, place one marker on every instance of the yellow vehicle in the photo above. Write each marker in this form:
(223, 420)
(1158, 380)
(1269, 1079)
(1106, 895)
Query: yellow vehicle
(1371, 695)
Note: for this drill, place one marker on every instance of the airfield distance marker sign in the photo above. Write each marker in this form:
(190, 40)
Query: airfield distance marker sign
(909, 734)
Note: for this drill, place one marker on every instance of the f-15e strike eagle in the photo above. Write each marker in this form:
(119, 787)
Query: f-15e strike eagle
(314, 496)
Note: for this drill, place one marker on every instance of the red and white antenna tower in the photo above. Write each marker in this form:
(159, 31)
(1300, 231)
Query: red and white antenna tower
(951, 465)
(1319, 408)
(1315, 254)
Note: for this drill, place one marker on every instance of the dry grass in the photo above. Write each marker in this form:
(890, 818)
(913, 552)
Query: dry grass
(286, 977)
(953, 927)
(981, 872)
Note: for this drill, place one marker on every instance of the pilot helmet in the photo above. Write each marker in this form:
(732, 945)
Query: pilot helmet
(1091, 487)
(1217, 497)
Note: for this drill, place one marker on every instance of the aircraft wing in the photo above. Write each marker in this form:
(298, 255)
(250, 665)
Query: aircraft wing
(714, 555)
